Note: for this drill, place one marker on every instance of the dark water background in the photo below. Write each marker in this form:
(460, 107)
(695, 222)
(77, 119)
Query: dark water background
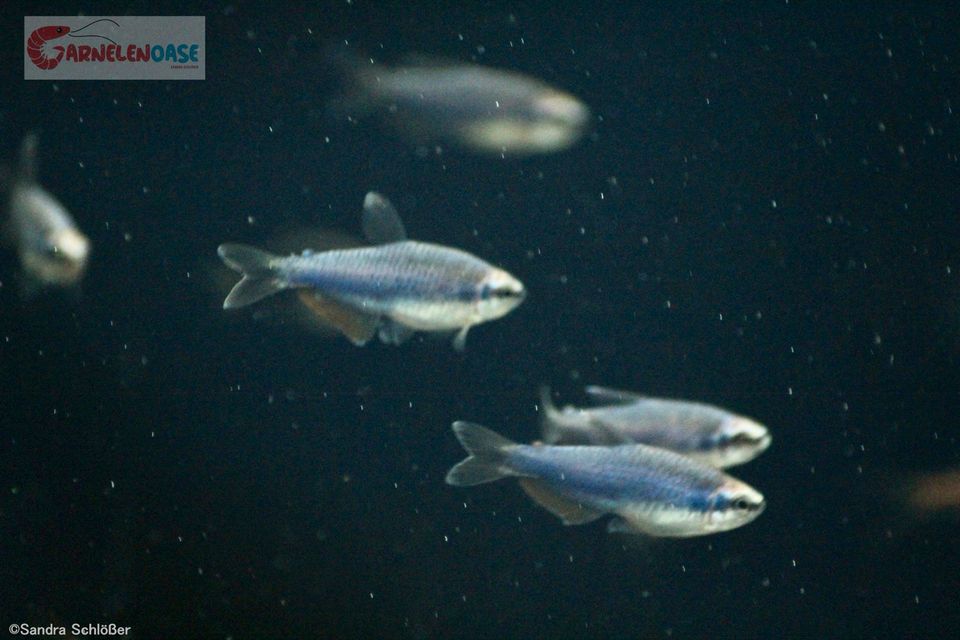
(765, 217)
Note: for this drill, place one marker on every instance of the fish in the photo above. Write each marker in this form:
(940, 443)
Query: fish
(648, 490)
(480, 108)
(706, 433)
(391, 289)
(933, 492)
(53, 252)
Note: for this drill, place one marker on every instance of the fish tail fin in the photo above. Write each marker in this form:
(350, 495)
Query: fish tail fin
(259, 276)
(550, 417)
(488, 452)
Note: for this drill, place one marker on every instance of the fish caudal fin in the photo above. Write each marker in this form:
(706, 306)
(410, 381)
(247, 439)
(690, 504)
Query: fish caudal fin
(259, 278)
(550, 418)
(487, 453)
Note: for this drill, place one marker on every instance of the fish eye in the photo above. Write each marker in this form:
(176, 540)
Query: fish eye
(741, 504)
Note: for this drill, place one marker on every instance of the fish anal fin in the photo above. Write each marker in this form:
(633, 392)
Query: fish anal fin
(357, 326)
(569, 511)
(381, 222)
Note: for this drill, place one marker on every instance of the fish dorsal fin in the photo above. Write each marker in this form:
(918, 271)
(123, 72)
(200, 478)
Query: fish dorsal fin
(381, 222)
(605, 395)
(569, 511)
(357, 326)
(27, 169)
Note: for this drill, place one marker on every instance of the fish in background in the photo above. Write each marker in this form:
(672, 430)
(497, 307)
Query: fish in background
(931, 493)
(52, 250)
(391, 289)
(649, 490)
(703, 432)
(480, 108)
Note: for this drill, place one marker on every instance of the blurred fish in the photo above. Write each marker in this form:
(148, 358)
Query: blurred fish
(392, 290)
(484, 109)
(52, 251)
(651, 491)
(933, 492)
(703, 432)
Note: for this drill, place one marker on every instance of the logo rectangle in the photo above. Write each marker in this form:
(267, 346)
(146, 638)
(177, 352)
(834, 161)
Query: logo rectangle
(114, 48)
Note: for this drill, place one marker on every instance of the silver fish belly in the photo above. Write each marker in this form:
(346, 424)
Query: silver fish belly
(704, 432)
(650, 491)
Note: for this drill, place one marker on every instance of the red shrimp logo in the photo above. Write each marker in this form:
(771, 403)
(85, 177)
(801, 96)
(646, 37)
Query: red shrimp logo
(38, 52)
(41, 55)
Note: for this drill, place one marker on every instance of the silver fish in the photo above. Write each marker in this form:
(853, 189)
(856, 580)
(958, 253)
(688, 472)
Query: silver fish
(484, 109)
(704, 432)
(52, 251)
(650, 491)
(392, 289)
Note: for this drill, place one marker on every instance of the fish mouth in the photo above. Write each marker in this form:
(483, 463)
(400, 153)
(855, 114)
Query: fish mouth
(764, 443)
(744, 432)
(562, 107)
(71, 245)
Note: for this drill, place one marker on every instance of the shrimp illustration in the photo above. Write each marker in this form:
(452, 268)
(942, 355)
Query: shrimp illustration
(37, 51)
(36, 42)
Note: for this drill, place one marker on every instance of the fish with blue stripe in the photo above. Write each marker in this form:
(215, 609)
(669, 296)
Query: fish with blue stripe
(649, 490)
(391, 289)
(701, 431)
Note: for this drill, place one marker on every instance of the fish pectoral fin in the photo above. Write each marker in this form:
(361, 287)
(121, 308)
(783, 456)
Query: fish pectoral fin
(392, 332)
(381, 223)
(619, 525)
(569, 511)
(605, 395)
(357, 326)
(460, 340)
